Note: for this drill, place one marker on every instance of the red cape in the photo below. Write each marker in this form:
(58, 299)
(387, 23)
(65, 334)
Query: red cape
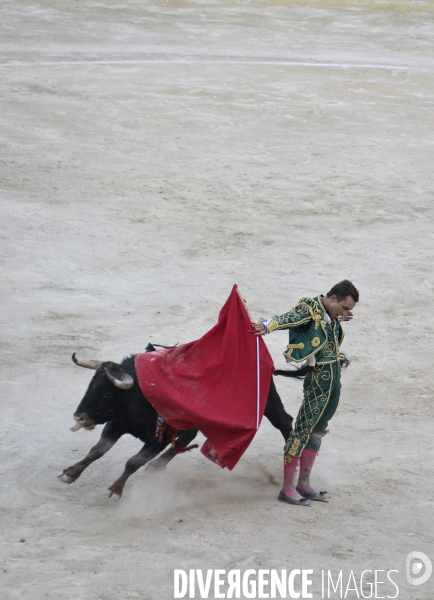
(211, 384)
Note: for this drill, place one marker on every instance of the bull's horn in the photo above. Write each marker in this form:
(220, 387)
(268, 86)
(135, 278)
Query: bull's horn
(125, 383)
(77, 426)
(89, 364)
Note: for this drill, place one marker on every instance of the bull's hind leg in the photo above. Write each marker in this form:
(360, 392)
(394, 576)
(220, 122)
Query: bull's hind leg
(109, 437)
(185, 437)
(149, 451)
(276, 413)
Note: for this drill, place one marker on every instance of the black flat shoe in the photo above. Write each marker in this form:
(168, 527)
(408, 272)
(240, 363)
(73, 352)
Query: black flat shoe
(318, 496)
(301, 502)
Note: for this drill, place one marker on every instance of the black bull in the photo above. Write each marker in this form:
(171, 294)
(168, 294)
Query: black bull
(114, 398)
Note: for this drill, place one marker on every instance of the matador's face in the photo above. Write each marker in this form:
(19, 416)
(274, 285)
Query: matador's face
(341, 308)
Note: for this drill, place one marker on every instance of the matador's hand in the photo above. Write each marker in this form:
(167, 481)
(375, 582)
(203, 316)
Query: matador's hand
(347, 316)
(259, 328)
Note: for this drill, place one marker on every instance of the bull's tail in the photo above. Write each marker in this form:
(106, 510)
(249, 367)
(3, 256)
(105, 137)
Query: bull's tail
(345, 362)
(301, 372)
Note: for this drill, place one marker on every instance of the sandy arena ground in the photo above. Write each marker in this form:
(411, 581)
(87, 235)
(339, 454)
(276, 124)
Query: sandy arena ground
(153, 154)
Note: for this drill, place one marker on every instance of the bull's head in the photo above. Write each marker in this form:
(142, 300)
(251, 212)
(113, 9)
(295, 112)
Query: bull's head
(103, 394)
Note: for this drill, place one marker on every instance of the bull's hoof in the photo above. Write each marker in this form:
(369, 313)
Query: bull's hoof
(116, 490)
(65, 478)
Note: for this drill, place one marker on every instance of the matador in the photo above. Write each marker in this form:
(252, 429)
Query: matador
(315, 336)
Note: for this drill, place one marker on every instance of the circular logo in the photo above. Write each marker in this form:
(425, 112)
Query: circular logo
(418, 568)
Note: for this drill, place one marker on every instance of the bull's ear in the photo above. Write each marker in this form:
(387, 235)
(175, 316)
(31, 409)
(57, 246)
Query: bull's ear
(121, 379)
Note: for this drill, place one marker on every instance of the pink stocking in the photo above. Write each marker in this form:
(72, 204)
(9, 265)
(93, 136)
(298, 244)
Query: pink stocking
(307, 459)
(289, 479)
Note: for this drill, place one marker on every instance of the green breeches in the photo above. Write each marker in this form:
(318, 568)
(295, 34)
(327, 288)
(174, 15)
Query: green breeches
(321, 393)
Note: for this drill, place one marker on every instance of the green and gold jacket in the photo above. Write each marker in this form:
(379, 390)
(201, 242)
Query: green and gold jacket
(311, 333)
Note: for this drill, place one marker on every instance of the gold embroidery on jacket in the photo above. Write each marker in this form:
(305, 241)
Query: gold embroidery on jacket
(316, 316)
(272, 325)
(300, 346)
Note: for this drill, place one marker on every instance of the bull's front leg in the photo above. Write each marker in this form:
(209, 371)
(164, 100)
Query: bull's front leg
(149, 451)
(185, 437)
(109, 437)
